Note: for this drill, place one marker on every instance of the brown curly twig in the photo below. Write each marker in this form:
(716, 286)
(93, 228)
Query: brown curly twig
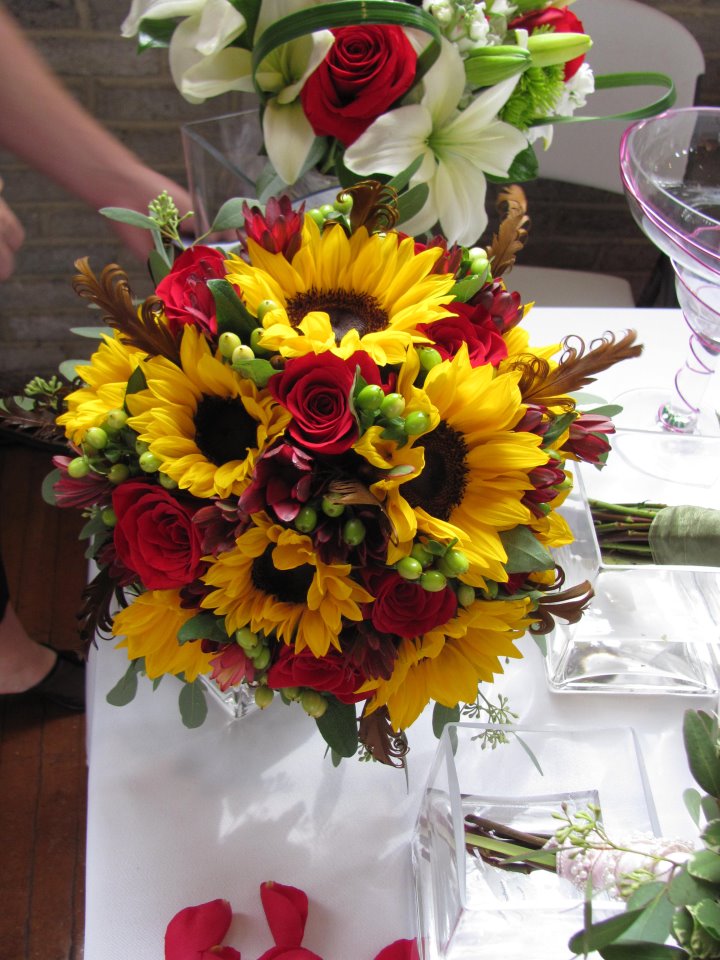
(568, 605)
(381, 740)
(374, 206)
(513, 230)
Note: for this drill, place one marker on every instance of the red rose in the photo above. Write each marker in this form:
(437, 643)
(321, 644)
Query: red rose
(155, 536)
(406, 608)
(559, 21)
(185, 292)
(328, 674)
(470, 325)
(365, 71)
(316, 391)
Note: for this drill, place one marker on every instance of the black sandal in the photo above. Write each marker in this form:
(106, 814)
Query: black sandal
(63, 686)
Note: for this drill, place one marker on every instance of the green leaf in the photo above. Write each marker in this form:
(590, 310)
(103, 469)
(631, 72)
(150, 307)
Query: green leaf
(335, 758)
(602, 934)
(131, 217)
(232, 314)
(467, 287)
(92, 333)
(402, 179)
(338, 727)
(203, 626)
(692, 800)
(230, 215)
(442, 716)
(192, 703)
(524, 167)
(700, 734)
(634, 950)
(606, 410)
(136, 382)
(705, 865)
(682, 927)
(154, 34)
(707, 914)
(644, 894)
(710, 808)
(257, 370)
(158, 266)
(68, 368)
(654, 922)
(268, 184)
(125, 689)
(711, 836)
(524, 551)
(557, 426)
(686, 890)
(412, 201)
(48, 494)
(92, 527)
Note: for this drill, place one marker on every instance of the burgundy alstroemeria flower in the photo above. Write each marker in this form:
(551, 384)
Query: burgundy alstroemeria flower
(545, 481)
(196, 933)
(448, 262)
(220, 524)
(588, 438)
(82, 492)
(278, 229)
(282, 482)
(504, 308)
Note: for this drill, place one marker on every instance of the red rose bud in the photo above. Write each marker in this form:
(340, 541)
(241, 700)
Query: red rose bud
(405, 608)
(185, 293)
(558, 21)
(367, 69)
(278, 229)
(316, 391)
(155, 536)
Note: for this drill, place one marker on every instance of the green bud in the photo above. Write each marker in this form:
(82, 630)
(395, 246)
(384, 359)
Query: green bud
(416, 423)
(306, 520)
(313, 703)
(409, 568)
(429, 357)
(479, 265)
(331, 508)
(228, 342)
(116, 419)
(118, 473)
(108, 517)
(78, 468)
(433, 581)
(465, 595)
(354, 532)
(490, 65)
(393, 405)
(261, 659)
(148, 462)
(264, 696)
(547, 49)
(97, 438)
(370, 397)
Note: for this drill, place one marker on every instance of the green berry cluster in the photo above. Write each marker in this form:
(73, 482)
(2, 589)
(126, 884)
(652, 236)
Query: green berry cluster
(336, 212)
(374, 407)
(432, 565)
(353, 528)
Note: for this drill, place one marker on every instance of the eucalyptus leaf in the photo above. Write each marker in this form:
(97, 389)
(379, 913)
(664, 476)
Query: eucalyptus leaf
(606, 410)
(200, 627)
(601, 934)
(92, 527)
(230, 216)
(524, 551)
(338, 727)
(632, 950)
(268, 184)
(193, 705)
(92, 333)
(686, 535)
(69, 368)
(700, 734)
(412, 201)
(131, 217)
(47, 491)
(158, 266)
(693, 800)
(125, 689)
(442, 716)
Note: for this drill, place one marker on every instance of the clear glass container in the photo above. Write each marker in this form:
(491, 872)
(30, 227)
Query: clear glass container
(236, 701)
(651, 629)
(470, 910)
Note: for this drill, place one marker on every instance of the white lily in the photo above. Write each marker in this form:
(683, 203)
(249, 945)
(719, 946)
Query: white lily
(201, 61)
(457, 147)
(157, 10)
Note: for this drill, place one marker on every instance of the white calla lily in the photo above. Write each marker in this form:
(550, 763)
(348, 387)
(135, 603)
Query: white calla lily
(157, 10)
(198, 74)
(457, 147)
(288, 138)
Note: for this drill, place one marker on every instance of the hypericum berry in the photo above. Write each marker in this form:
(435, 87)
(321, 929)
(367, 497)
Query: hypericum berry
(327, 210)
(465, 594)
(416, 423)
(393, 405)
(343, 203)
(116, 419)
(331, 508)
(148, 462)
(306, 520)
(228, 343)
(433, 581)
(264, 696)
(370, 397)
(290, 693)
(353, 532)
(108, 517)
(241, 354)
(317, 216)
(97, 438)
(420, 553)
(453, 563)
(167, 482)
(313, 703)
(265, 306)
(78, 468)
(261, 659)
(141, 447)
(245, 638)
(409, 568)
(256, 335)
(429, 357)
(118, 473)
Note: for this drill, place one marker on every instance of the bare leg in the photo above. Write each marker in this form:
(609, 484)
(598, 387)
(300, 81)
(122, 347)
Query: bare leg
(23, 663)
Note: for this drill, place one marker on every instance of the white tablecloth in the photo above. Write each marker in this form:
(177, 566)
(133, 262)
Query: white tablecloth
(177, 816)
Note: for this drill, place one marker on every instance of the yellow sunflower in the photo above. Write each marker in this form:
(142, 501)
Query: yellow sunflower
(448, 663)
(364, 292)
(476, 465)
(203, 421)
(273, 580)
(150, 626)
(106, 377)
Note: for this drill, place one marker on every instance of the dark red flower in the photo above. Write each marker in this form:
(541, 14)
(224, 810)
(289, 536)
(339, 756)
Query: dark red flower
(196, 933)
(220, 523)
(231, 665)
(366, 70)
(588, 438)
(185, 293)
(316, 391)
(450, 259)
(329, 674)
(471, 325)
(281, 484)
(405, 608)
(545, 480)
(278, 229)
(155, 536)
(559, 21)
(504, 308)
(81, 492)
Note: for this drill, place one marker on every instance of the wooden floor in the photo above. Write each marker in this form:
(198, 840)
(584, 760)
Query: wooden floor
(43, 775)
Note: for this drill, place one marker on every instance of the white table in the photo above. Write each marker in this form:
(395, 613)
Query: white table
(177, 817)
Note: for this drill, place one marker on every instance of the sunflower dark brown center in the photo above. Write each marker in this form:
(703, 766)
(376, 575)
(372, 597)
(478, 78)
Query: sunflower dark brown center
(224, 430)
(286, 586)
(441, 486)
(347, 309)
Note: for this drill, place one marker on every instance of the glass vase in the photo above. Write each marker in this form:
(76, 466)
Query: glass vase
(225, 158)
(521, 778)
(236, 702)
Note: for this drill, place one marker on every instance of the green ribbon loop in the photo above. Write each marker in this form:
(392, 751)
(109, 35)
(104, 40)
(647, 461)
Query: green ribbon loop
(327, 16)
(612, 81)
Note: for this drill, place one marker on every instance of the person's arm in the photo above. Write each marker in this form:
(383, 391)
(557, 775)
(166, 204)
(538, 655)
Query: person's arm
(11, 238)
(43, 125)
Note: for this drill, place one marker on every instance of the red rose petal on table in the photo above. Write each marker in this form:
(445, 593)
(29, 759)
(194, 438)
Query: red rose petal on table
(195, 931)
(286, 910)
(399, 950)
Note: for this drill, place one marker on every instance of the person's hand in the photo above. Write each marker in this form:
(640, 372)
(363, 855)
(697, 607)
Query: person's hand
(11, 238)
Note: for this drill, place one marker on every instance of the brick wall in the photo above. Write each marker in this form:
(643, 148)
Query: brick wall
(135, 98)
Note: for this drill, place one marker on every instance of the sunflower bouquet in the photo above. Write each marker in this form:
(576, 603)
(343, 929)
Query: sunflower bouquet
(326, 467)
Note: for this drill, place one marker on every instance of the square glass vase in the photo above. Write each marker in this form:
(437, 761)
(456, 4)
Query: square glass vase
(236, 702)
(649, 628)
(468, 909)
